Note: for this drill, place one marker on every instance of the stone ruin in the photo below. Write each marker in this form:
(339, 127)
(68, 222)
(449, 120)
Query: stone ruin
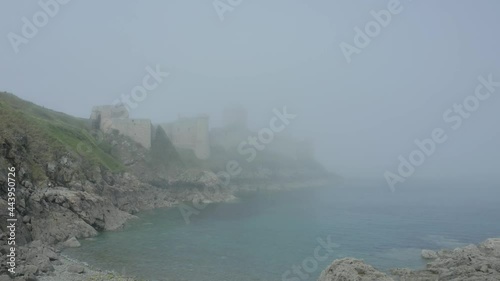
(110, 117)
(185, 133)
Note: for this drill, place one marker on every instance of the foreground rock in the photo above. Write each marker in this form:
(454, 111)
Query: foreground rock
(76, 268)
(72, 270)
(429, 254)
(72, 243)
(352, 269)
(470, 263)
(44, 263)
(34, 259)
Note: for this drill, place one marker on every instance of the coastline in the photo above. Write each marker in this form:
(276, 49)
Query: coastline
(79, 213)
(465, 263)
(74, 270)
(473, 263)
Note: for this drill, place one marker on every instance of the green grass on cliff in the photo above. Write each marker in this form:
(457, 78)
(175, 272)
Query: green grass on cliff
(51, 132)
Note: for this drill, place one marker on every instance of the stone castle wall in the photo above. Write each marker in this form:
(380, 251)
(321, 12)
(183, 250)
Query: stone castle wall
(185, 133)
(193, 133)
(190, 133)
(109, 117)
(140, 130)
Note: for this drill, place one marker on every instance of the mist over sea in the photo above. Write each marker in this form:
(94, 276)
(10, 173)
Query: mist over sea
(264, 234)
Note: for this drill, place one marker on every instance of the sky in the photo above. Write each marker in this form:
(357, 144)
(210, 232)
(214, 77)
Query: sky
(362, 110)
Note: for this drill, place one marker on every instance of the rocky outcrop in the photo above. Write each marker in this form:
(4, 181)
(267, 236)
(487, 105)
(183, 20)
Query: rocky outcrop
(470, 263)
(429, 254)
(71, 243)
(34, 259)
(349, 269)
(75, 268)
(68, 269)
(83, 214)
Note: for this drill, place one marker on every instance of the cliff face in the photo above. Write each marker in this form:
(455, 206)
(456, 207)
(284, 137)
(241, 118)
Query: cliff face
(71, 201)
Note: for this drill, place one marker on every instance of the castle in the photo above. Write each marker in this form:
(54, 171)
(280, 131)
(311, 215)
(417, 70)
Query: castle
(185, 133)
(193, 133)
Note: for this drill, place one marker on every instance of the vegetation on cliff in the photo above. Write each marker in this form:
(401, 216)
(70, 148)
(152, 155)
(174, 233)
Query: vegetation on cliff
(54, 134)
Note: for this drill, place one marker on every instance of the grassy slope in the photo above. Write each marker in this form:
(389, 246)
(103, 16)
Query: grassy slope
(53, 130)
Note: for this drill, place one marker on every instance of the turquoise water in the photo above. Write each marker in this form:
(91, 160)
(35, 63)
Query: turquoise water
(265, 234)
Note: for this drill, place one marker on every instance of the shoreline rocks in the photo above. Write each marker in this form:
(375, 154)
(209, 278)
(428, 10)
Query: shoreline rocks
(470, 263)
(429, 254)
(71, 243)
(39, 262)
(73, 270)
(348, 269)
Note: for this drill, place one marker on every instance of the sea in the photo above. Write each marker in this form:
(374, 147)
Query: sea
(294, 235)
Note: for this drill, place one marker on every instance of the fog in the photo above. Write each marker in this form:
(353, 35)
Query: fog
(362, 114)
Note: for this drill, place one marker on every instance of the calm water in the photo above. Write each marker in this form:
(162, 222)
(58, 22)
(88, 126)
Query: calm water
(265, 234)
